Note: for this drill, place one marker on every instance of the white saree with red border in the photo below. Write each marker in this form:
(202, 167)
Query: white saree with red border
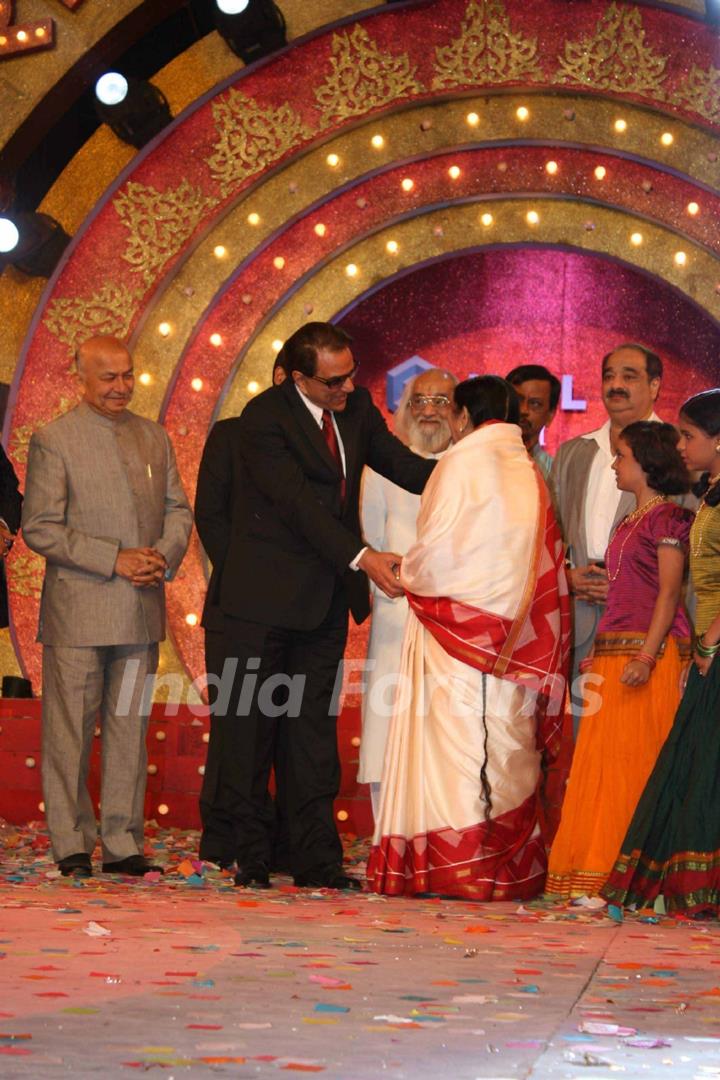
(481, 682)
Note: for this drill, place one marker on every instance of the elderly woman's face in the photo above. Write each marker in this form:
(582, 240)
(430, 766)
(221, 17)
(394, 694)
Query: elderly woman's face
(459, 421)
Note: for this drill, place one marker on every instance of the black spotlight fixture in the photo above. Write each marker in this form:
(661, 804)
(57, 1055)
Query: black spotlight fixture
(136, 110)
(31, 242)
(252, 28)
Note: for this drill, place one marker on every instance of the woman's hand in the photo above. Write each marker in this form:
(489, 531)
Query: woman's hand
(702, 663)
(635, 673)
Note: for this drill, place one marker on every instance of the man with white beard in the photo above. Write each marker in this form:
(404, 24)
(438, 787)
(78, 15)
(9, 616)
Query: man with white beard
(388, 515)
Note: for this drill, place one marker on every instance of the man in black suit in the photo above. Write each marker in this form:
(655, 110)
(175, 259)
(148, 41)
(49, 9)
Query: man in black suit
(216, 490)
(10, 511)
(293, 566)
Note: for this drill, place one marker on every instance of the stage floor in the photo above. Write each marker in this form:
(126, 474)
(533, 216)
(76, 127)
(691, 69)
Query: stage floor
(190, 976)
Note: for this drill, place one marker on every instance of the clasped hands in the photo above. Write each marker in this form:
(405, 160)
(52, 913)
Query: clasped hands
(383, 567)
(142, 567)
(589, 583)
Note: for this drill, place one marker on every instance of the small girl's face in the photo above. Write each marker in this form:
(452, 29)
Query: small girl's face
(628, 474)
(697, 448)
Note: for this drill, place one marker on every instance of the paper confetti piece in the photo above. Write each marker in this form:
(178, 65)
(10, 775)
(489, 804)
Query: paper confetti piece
(94, 929)
(324, 1008)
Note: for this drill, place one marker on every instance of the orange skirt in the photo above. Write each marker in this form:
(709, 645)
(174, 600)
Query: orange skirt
(617, 747)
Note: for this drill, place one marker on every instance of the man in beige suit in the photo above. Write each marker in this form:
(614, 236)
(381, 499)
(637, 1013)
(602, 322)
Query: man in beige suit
(587, 498)
(104, 505)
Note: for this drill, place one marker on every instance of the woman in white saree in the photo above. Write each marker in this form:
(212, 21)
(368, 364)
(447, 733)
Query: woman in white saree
(482, 675)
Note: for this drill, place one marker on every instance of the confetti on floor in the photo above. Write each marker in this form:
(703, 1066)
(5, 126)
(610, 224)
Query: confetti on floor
(187, 975)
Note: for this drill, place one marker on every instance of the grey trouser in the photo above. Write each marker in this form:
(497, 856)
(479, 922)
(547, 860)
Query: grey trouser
(80, 687)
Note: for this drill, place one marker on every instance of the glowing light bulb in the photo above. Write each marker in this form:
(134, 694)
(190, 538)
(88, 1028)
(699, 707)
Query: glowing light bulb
(392, 247)
(667, 138)
(41, 807)
(636, 239)
(453, 172)
(378, 142)
(9, 235)
(680, 258)
(40, 32)
(693, 209)
(600, 172)
(111, 88)
(145, 378)
(320, 229)
(472, 119)
(163, 809)
(197, 385)
(215, 340)
(551, 167)
(253, 218)
(532, 217)
(164, 329)
(277, 345)
(407, 184)
(219, 251)
(522, 113)
(152, 770)
(351, 270)
(486, 219)
(333, 160)
(191, 619)
(620, 126)
(278, 262)
(342, 815)
(22, 35)
(253, 387)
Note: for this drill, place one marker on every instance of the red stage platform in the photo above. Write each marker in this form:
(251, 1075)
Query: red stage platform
(176, 752)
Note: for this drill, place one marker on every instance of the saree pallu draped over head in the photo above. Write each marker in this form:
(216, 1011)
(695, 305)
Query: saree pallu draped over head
(489, 610)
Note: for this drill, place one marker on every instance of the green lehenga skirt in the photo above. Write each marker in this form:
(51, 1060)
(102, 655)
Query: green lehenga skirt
(672, 847)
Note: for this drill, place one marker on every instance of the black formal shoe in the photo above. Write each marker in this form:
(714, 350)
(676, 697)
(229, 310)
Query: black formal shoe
(253, 876)
(133, 865)
(77, 866)
(327, 877)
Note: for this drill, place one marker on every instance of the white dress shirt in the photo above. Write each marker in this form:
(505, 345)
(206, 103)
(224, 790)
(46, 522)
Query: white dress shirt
(316, 411)
(602, 494)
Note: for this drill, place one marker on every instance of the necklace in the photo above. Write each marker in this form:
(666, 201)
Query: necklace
(696, 533)
(634, 518)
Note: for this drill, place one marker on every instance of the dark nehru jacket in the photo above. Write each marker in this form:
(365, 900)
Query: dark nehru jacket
(291, 533)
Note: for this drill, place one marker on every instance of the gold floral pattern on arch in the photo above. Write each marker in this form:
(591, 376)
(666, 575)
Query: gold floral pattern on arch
(159, 223)
(251, 138)
(615, 57)
(487, 50)
(363, 78)
(110, 310)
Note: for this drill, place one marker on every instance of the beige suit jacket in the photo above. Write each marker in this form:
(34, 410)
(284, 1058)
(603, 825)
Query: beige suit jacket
(96, 485)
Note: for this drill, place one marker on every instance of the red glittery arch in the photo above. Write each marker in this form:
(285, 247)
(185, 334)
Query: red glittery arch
(43, 377)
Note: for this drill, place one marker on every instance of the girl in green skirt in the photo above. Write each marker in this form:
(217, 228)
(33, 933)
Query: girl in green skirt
(672, 847)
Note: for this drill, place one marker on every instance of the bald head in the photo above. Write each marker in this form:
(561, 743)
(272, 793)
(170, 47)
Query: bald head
(105, 371)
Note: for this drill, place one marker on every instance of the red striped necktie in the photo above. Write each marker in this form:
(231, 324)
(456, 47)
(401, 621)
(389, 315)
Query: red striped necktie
(328, 430)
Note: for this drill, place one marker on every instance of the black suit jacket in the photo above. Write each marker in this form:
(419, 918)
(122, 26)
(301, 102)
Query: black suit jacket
(269, 511)
(10, 511)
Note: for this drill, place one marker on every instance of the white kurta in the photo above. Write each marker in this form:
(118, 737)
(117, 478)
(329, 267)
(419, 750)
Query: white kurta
(388, 516)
